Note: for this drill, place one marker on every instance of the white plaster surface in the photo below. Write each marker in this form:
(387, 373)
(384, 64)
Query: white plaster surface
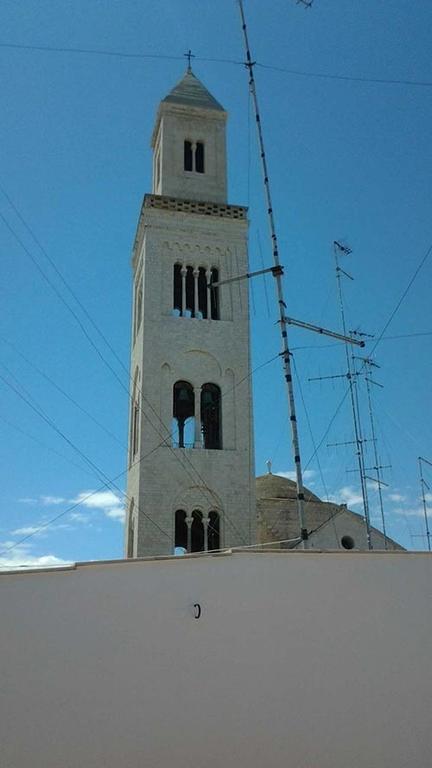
(307, 660)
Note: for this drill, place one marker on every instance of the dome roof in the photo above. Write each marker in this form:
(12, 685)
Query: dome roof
(271, 486)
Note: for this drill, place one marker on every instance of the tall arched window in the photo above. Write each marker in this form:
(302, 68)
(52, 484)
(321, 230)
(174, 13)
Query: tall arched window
(193, 156)
(193, 292)
(138, 306)
(214, 531)
(177, 289)
(188, 156)
(211, 416)
(135, 418)
(214, 295)
(197, 532)
(181, 534)
(183, 414)
(190, 292)
(199, 157)
(131, 530)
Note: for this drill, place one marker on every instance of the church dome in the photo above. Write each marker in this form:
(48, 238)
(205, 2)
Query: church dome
(271, 486)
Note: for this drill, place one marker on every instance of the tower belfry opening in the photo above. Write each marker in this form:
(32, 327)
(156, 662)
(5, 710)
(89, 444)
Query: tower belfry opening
(189, 428)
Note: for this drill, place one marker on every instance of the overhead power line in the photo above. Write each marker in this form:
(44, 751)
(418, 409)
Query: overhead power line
(62, 391)
(185, 460)
(66, 511)
(378, 341)
(271, 67)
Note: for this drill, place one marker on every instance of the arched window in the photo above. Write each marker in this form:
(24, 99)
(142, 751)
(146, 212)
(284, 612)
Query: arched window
(188, 156)
(197, 532)
(135, 418)
(177, 290)
(193, 156)
(183, 415)
(131, 531)
(180, 536)
(214, 531)
(139, 305)
(211, 416)
(202, 293)
(190, 292)
(199, 157)
(214, 295)
(193, 292)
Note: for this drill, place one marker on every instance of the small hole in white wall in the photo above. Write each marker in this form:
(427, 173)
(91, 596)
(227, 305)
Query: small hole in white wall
(347, 542)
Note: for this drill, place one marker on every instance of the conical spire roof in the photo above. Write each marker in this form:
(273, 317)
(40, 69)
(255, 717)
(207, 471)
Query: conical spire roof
(192, 93)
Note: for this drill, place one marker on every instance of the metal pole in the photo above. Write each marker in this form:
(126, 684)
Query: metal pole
(354, 407)
(422, 486)
(277, 273)
(377, 464)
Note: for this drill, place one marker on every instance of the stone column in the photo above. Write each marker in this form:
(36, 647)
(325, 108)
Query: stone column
(196, 300)
(205, 522)
(189, 521)
(208, 278)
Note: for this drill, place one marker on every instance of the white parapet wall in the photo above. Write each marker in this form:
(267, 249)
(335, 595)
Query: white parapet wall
(298, 659)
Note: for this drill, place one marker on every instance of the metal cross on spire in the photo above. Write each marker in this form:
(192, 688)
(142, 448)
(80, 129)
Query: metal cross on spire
(189, 55)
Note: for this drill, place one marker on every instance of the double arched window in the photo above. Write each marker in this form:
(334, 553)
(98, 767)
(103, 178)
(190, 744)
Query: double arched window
(197, 416)
(198, 531)
(194, 156)
(193, 294)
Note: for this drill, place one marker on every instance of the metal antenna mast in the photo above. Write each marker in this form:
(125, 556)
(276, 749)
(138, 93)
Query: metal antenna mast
(339, 249)
(369, 364)
(423, 485)
(277, 273)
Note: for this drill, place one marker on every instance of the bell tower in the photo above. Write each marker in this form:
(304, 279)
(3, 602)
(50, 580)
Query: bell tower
(191, 479)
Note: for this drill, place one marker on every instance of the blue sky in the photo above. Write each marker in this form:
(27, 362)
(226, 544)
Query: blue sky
(348, 160)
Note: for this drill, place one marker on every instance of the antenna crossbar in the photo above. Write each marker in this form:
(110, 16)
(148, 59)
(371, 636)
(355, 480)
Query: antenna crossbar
(324, 331)
(278, 270)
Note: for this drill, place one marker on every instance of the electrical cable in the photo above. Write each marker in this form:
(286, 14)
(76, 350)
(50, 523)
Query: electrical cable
(310, 428)
(46, 447)
(62, 391)
(235, 62)
(102, 357)
(76, 504)
(99, 473)
(380, 338)
(405, 292)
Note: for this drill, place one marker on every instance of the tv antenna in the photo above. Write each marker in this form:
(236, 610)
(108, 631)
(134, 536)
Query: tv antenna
(277, 272)
(423, 485)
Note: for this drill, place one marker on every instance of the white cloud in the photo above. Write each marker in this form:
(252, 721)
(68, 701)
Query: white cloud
(48, 500)
(78, 517)
(21, 558)
(409, 511)
(373, 485)
(106, 501)
(347, 495)
(308, 474)
(26, 531)
(397, 497)
(27, 501)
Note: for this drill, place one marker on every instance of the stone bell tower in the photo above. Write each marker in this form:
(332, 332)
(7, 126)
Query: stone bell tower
(191, 461)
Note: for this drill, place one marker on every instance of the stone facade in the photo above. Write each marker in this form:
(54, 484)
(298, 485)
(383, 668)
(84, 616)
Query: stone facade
(186, 224)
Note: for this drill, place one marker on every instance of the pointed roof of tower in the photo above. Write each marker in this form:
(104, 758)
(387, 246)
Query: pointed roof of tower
(192, 93)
